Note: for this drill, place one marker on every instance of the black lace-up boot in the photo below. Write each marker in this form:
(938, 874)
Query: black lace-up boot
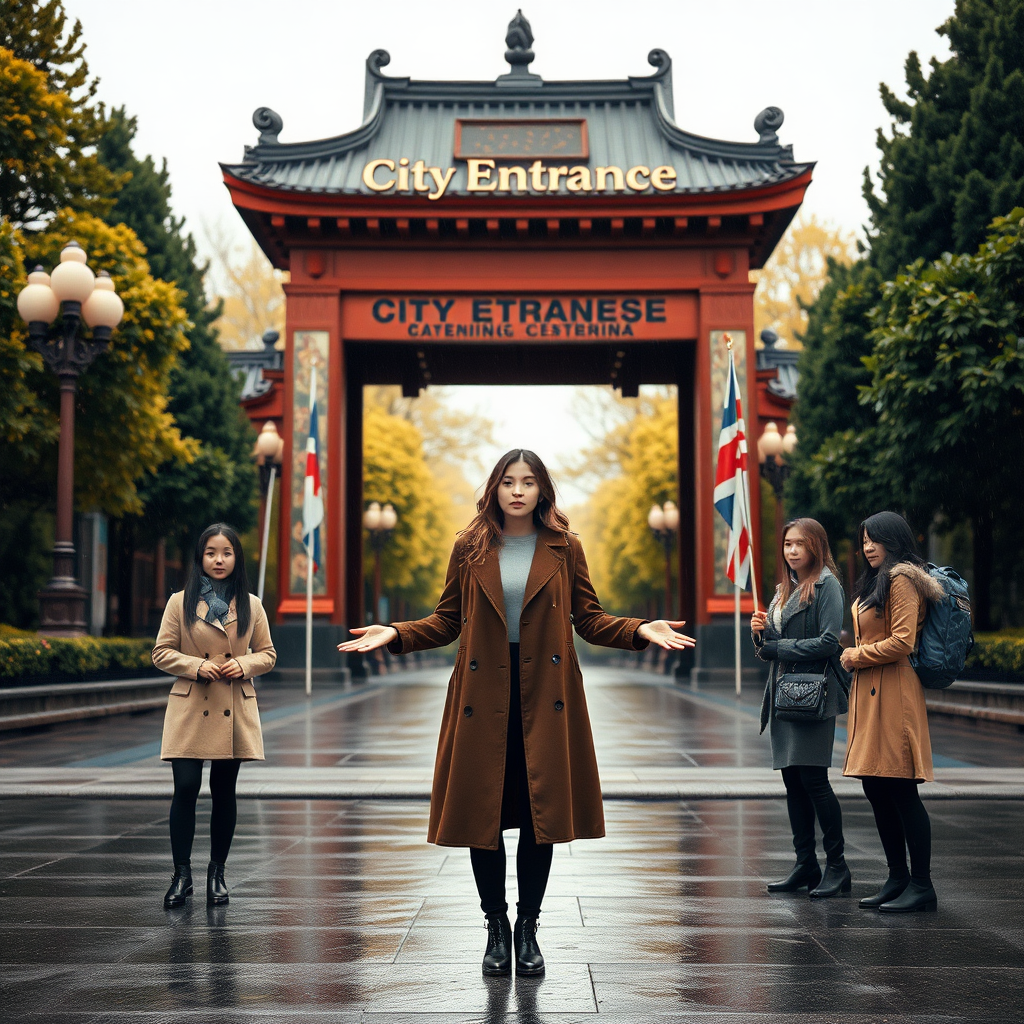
(529, 959)
(498, 955)
(181, 886)
(216, 887)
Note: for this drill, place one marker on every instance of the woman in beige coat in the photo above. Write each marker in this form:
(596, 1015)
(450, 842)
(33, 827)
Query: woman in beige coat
(214, 637)
(888, 746)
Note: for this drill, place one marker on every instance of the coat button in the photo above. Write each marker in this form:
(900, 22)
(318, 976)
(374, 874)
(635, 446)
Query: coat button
(205, 713)
(872, 691)
(227, 713)
(206, 655)
(524, 622)
(555, 658)
(467, 711)
(559, 705)
(473, 665)
(464, 620)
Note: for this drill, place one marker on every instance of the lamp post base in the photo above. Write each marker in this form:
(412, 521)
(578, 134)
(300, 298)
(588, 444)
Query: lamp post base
(62, 608)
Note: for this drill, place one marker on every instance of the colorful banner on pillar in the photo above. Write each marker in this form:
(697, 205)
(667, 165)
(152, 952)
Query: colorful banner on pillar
(719, 384)
(308, 347)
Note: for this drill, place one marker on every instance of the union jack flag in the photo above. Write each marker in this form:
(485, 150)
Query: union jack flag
(732, 488)
(312, 498)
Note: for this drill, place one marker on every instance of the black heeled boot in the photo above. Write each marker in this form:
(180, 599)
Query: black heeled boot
(836, 881)
(498, 955)
(216, 887)
(804, 873)
(181, 886)
(916, 896)
(893, 887)
(529, 959)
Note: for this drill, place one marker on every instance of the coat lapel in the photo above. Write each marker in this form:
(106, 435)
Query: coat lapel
(548, 558)
(488, 575)
(202, 608)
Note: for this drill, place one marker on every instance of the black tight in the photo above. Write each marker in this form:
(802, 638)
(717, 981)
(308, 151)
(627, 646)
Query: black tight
(903, 825)
(188, 776)
(533, 864)
(809, 794)
(533, 859)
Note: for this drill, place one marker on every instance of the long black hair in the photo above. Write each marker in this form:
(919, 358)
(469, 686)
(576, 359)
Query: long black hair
(894, 534)
(238, 581)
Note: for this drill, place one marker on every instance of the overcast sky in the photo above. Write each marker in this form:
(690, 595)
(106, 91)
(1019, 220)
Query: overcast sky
(193, 72)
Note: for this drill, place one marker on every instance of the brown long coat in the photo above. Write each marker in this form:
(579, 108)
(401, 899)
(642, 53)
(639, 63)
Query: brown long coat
(887, 731)
(213, 719)
(561, 766)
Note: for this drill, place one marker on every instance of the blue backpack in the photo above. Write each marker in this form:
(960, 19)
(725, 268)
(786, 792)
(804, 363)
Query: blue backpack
(946, 638)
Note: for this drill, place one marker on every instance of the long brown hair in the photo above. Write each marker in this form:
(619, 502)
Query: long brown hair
(820, 552)
(484, 532)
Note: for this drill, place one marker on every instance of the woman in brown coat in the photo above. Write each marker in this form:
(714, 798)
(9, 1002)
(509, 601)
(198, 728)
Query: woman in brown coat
(516, 749)
(214, 637)
(888, 746)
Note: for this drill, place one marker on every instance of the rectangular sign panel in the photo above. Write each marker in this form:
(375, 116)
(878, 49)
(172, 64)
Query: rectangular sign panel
(529, 317)
(566, 138)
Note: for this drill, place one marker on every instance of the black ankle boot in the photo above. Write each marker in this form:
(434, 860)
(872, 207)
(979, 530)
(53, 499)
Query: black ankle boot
(804, 873)
(893, 887)
(498, 955)
(916, 896)
(216, 887)
(181, 886)
(529, 959)
(836, 881)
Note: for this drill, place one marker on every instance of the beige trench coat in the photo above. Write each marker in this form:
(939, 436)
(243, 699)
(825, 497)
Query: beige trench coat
(561, 765)
(214, 719)
(887, 731)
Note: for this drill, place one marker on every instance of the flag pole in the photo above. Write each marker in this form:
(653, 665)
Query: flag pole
(309, 621)
(266, 532)
(736, 617)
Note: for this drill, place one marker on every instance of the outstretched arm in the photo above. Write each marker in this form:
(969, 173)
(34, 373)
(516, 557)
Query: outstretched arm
(436, 630)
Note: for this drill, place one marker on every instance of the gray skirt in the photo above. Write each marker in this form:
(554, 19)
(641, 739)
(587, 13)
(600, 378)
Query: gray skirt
(802, 742)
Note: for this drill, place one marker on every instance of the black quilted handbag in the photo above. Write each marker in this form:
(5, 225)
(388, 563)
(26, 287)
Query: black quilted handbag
(800, 696)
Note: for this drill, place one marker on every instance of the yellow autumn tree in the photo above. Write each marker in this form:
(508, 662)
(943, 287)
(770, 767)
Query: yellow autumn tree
(250, 291)
(395, 470)
(795, 274)
(634, 466)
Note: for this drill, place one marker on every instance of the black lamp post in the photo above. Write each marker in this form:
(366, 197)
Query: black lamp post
(664, 524)
(380, 522)
(772, 449)
(77, 294)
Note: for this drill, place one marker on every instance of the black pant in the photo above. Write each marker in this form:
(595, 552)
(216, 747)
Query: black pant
(188, 776)
(533, 859)
(809, 794)
(903, 825)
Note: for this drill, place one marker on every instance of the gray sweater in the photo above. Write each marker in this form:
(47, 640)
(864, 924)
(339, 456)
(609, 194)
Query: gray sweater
(515, 559)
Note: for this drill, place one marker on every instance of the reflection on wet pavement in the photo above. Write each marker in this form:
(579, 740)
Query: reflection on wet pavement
(340, 911)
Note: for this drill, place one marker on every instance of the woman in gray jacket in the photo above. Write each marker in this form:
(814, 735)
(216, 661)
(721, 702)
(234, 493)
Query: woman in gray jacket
(800, 633)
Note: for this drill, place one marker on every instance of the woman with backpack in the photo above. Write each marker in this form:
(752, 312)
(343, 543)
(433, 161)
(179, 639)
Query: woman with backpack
(800, 633)
(516, 749)
(888, 745)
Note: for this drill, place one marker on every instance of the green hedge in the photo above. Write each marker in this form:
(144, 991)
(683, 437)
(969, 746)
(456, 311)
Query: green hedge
(71, 657)
(998, 653)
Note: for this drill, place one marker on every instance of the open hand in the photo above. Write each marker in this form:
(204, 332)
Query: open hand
(663, 633)
(369, 638)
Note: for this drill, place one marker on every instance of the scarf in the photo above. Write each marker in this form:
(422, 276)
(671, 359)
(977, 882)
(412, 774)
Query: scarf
(213, 593)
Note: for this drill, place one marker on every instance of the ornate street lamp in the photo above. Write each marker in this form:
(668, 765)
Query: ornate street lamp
(380, 522)
(269, 452)
(664, 524)
(77, 294)
(772, 449)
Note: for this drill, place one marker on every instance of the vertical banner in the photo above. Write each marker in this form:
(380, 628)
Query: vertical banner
(308, 347)
(719, 383)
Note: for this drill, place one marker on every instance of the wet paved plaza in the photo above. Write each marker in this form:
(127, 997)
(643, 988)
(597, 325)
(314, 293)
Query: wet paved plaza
(340, 911)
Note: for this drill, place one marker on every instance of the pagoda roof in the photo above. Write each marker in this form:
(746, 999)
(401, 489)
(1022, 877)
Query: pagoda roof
(629, 122)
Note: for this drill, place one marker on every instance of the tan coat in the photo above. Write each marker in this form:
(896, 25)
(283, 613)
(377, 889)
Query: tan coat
(887, 731)
(561, 766)
(214, 719)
